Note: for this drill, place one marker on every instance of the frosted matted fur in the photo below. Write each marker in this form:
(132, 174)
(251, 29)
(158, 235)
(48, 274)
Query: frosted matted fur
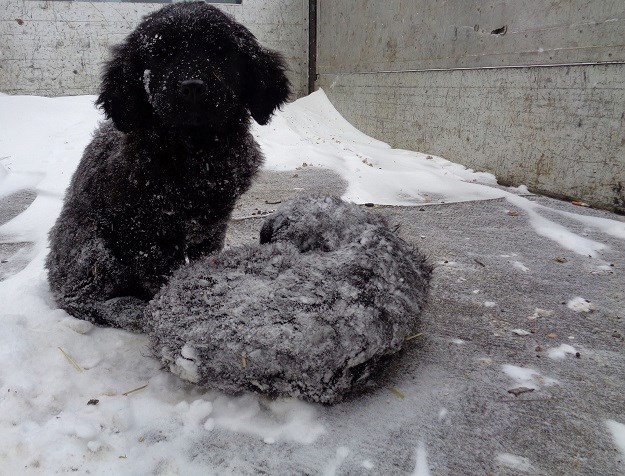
(310, 313)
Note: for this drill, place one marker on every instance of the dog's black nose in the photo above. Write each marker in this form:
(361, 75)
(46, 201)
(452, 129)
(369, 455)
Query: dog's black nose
(192, 89)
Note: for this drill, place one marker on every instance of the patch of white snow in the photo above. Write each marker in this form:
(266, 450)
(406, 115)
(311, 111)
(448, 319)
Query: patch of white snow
(333, 466)
(527, 377)
(421, 457)
(520, 266)
(579, 304)
(560, 352)
(617, 431)
(517, 463)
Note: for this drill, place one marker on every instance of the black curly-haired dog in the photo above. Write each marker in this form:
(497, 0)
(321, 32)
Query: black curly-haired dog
(159, 180)
(311, 312)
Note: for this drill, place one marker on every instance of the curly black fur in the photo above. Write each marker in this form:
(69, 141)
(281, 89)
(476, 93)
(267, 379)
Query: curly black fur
(159, 180)
(310, 313)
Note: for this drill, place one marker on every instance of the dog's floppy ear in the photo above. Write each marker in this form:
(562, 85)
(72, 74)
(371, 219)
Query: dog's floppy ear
(265, 85)
(122, 95)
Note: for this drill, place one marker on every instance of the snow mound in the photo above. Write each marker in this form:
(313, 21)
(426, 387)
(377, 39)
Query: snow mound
(311, 131)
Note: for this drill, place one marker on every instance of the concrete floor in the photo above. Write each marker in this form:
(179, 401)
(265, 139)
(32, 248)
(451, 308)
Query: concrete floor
(448, 393)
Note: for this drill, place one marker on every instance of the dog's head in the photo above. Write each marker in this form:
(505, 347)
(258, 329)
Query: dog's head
(191, 65)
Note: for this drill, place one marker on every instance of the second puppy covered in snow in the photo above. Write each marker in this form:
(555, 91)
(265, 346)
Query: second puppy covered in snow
(309, 312)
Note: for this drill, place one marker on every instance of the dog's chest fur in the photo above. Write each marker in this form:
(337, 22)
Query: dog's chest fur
(169, 189)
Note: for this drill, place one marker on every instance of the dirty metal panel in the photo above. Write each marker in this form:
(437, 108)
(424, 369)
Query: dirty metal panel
(402, 35)
(58, 48)
(558, 130)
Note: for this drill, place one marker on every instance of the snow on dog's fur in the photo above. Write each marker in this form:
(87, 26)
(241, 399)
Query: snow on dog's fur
(159, 180)
(310, 312)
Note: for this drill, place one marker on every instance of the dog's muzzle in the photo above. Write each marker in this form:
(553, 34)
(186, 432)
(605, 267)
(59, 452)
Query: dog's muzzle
(192, 91)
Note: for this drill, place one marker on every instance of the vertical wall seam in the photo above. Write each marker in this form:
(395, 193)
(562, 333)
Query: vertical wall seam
(312, 45)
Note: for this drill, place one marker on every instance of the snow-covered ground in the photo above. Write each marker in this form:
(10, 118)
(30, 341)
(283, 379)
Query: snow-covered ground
(77, 397)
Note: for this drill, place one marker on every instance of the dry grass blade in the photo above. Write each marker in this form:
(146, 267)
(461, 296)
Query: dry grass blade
(397, 393)
(71, 361)
(528, 400)
(414, 336)
(125, 394)
(247, 217)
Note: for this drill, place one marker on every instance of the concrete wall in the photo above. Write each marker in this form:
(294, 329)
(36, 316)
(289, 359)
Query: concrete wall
(53, 48)
(507, 86)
